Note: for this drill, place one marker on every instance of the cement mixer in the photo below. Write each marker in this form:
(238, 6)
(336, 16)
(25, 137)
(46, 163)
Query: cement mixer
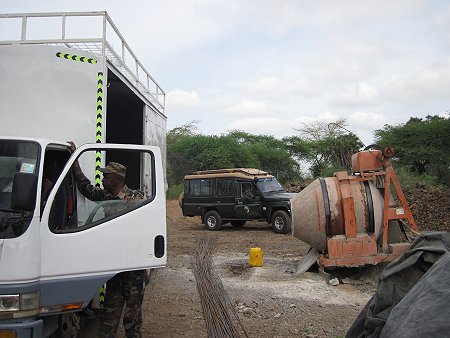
(354, 220)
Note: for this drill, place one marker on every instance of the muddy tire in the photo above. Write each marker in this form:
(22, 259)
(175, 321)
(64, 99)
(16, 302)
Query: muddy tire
(180, 200)
(281, 222)
(237, 223)
(212, 220)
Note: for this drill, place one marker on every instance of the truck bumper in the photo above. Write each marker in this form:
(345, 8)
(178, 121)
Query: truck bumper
(29, 329)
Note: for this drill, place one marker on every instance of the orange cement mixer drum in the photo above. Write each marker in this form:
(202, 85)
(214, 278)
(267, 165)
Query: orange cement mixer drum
(317, 211)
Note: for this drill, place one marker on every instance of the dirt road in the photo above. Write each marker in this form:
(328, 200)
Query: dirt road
(270, 300)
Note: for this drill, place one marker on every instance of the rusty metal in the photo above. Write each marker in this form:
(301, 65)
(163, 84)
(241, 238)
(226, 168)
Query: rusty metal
(349, 224)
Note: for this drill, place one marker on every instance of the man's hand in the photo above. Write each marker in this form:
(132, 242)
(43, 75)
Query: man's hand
(72, 146)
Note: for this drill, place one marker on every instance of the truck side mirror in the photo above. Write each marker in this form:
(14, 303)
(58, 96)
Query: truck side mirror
(24, 192)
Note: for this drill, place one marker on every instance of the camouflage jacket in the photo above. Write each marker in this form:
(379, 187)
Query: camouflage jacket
(98, 194)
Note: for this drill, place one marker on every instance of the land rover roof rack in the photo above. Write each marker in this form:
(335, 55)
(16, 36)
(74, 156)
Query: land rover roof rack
(245, 171)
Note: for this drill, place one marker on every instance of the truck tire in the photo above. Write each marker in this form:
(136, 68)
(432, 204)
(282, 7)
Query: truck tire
(237, 223)
(212, 220)
(281, 222)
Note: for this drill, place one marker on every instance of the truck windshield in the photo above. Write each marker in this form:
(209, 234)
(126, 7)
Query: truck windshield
(15, 156)
(267, 185)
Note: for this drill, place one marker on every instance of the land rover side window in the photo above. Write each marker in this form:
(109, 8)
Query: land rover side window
(124, 183)
(248, 190)
(201, 187)
(224, 186)
(17, 158)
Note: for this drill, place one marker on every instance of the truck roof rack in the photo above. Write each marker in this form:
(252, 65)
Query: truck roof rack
(26, 28)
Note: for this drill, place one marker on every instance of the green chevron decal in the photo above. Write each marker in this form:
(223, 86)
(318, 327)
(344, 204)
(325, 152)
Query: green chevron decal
(99, 128)
(76, 58)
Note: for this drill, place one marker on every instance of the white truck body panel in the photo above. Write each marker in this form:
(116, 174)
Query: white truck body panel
(42, 95)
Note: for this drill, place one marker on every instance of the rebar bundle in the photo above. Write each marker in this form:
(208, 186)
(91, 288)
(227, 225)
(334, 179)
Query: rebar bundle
(216, 304)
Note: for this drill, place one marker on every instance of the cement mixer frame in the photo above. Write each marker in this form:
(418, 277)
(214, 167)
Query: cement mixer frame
(345, 227)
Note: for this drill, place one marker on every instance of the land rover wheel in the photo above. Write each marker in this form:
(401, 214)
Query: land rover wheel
(212, 220)
(237, 223)
(180, 200)
(281, 222)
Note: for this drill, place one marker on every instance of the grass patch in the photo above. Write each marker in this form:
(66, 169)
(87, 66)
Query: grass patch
(174, 191)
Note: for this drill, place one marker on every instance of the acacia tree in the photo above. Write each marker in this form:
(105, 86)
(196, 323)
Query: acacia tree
(271, 154)
(326, 146)
(421, 144)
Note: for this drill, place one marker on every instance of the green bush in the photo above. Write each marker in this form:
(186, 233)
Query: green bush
(174, 191)
(408, 179)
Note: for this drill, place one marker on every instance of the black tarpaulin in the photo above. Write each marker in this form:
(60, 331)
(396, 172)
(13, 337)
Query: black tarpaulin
(413, 295)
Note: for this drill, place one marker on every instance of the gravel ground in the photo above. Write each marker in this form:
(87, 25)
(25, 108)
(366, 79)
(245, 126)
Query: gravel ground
(270, 300)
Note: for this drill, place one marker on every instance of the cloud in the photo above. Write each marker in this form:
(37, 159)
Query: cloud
(292, 14)
(276, 87)
(260, 125)
(442, 21)
(444, 114)
(257, 108)
(425, 83)
(304, 119)
(359, 95)
(180, 99)
(366, 119)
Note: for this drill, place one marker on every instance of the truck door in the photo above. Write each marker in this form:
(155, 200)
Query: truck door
(104, 236)
(248, 201)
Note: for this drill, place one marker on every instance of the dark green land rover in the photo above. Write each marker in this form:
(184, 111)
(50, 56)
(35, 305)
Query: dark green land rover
(236, 196)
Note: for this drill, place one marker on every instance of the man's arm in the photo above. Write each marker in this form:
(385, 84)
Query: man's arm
(83, 183)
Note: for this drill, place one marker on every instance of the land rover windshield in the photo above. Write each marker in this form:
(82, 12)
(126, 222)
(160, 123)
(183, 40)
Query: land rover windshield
(269, 185)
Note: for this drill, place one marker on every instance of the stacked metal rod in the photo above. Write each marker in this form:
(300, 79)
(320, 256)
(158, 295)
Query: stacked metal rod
(216, 304)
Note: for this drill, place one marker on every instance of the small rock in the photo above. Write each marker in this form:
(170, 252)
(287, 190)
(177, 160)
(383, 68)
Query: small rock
(321, 305)
(247, 311)
(278, 315)
(334, 282)
(292, 305)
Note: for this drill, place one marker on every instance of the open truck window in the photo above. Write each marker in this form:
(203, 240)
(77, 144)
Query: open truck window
(82, 203)
(55, 158)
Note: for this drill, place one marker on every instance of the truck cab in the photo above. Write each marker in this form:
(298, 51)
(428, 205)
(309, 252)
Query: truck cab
(236, 195)
(56, 247)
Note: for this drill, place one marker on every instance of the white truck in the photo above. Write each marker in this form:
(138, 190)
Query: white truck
(57, 248)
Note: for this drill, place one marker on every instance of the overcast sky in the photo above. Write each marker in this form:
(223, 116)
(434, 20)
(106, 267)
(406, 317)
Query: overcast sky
(267, 66)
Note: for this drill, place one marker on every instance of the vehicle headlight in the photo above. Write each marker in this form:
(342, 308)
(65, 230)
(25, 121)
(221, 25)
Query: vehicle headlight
(19, 305)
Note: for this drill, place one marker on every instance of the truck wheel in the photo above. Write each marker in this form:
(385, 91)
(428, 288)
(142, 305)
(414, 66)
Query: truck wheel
(212, 220)
(237, 223)
(281, 222)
